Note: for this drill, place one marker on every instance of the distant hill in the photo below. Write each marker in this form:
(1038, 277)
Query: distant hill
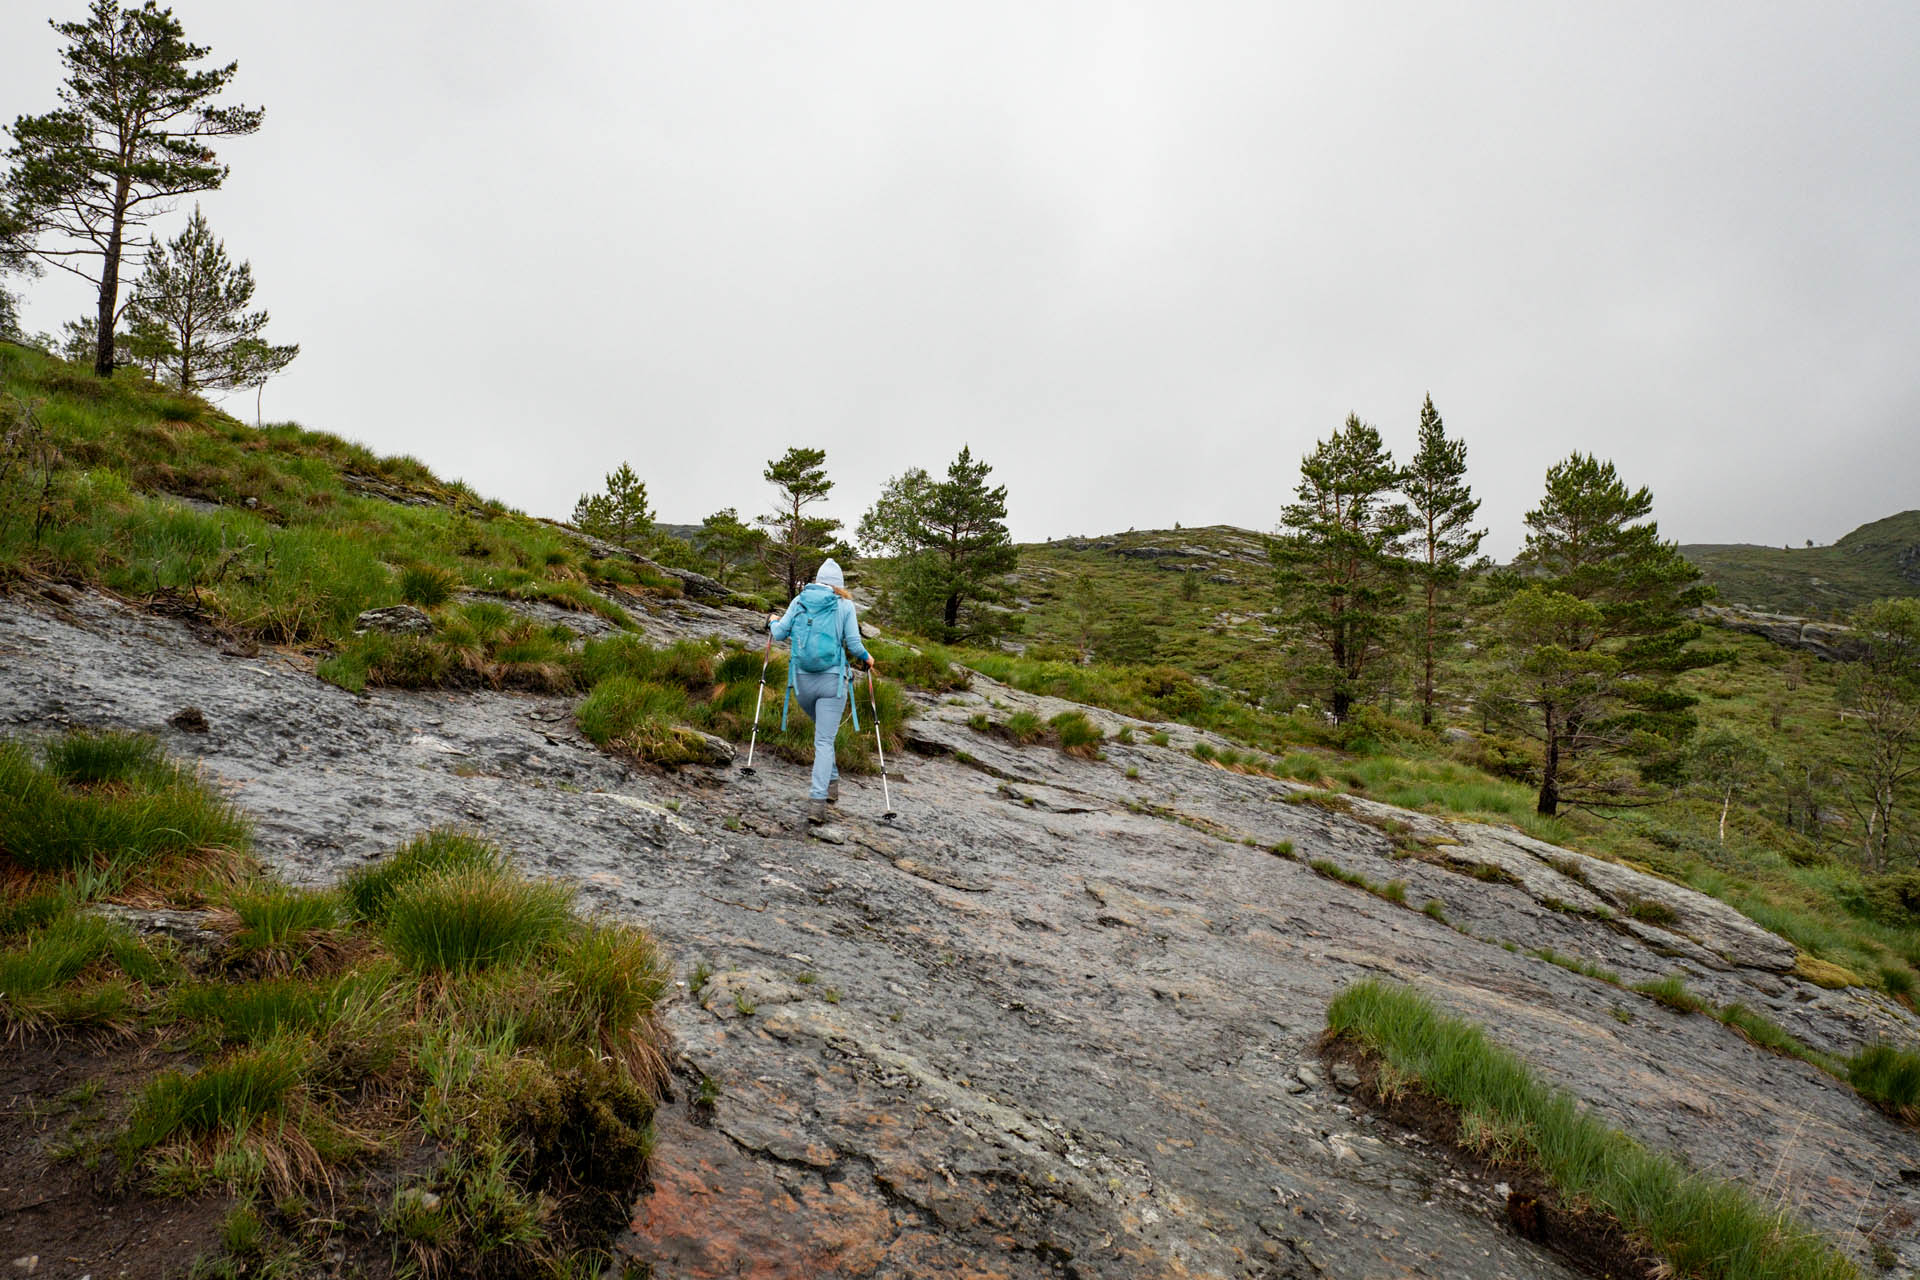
(1876, 560)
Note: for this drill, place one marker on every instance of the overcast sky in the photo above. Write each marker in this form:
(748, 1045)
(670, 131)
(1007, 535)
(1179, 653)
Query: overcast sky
(1140, 257)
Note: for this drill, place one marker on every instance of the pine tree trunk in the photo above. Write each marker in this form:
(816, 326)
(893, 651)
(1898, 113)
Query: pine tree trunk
(110, 283)
(1549, 803)
(1426, 688)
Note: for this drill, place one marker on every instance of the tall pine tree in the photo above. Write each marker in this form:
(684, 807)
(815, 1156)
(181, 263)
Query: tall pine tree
(950, 546)
(796, 541)
(1595, 640)
(129, 138)
(1443, 508)
(1338, 560)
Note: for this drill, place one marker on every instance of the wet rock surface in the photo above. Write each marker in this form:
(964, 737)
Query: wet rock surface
(1053, 1019)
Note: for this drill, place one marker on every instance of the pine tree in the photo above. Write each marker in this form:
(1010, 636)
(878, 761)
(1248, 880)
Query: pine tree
(728, 542)
(198, 297)
(1594, 642)
(130, 137)
(1443, 542)
(619, 514)
(796, 541)
(1338, 564)
(950, 546)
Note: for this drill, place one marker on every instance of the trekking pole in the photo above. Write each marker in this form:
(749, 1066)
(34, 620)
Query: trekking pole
(885, 790)
(746, 770)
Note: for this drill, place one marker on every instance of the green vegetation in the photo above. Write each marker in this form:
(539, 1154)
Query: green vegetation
(1816, 582)
(438, 1026)
(1889, 1076)
(947, 550)
(646, 702)
(1703, 1227)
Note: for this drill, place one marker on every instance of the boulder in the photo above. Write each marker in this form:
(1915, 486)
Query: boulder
(395, 620)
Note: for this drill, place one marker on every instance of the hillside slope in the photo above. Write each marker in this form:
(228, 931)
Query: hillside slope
(1874, 561)
(1062, 1013)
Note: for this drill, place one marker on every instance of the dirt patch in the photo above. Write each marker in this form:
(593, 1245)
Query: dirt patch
(59, 1098)
(1591, 1242)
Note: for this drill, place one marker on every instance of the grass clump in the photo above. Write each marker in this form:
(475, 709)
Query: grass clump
(281, 926)
(1702, 1226)
(76, 970)
(1024, 727)
(1672, 992)
(641, 718)
(427, 585)
(1574, 964)
(1079, 736)
(458, 921)
(225, 1097)
(1888, 1076)
(367, 892)
(106, 802)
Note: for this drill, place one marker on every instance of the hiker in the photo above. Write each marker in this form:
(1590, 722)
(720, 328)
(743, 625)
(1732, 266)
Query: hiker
(825, 628)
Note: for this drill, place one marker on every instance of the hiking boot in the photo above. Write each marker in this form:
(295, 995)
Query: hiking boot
(833, 792)
(816, 812)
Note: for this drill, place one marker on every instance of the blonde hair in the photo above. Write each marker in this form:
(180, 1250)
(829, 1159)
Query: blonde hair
(842, 592)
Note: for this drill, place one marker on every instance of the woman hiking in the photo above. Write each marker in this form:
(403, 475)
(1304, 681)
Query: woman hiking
(825, 628)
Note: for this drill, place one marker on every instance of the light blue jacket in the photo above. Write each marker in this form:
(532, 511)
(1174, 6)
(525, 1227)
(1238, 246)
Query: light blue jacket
(849, 636)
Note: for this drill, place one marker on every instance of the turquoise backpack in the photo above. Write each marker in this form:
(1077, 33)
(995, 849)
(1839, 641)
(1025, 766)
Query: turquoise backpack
(814, 645)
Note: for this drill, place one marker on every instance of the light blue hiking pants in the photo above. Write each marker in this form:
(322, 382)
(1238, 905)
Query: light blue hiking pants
(822, 695)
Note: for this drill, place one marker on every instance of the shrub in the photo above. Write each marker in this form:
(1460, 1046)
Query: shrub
(368, 891)
(474, 918)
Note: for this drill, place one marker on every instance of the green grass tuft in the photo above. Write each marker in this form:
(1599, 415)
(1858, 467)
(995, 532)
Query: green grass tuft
(367, 891)
(1672, 992)
(1704, 1227)
(474, 918)
(1889, 1076)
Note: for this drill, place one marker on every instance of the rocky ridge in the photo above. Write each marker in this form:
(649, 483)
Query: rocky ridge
(1059, 1017)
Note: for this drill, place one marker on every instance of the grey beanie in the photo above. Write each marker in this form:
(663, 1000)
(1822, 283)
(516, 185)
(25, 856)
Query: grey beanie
(830, 574)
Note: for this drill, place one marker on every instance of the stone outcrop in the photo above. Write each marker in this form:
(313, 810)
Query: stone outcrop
(1829, 640)
(1057, 1018)
(396, 620)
